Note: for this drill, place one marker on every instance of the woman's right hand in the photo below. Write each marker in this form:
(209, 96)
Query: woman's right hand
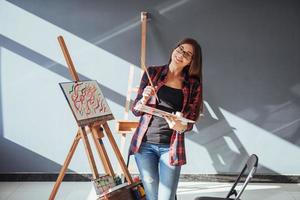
(147, 93)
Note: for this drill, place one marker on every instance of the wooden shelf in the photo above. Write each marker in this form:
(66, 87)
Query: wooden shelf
(126, 126)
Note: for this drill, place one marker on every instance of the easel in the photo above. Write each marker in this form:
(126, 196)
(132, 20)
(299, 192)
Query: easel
(96, 129)
(126, 126)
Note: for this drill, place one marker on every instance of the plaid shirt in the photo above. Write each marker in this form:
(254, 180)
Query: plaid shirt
(192, 100)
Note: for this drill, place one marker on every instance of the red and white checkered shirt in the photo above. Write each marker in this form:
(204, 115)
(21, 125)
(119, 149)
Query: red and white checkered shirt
(192, 100)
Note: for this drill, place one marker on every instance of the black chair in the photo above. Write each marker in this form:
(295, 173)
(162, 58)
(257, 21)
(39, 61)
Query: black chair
(249, 168)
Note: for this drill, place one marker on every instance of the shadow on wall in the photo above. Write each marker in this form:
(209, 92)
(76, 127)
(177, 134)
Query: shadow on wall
(247, 49)
(17, 154)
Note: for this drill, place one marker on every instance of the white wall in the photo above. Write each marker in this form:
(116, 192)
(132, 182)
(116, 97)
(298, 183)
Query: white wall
(251, 78)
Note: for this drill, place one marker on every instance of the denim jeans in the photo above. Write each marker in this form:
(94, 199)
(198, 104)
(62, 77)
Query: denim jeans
(160, 179)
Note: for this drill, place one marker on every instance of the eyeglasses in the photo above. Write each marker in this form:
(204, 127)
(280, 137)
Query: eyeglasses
(187, 55)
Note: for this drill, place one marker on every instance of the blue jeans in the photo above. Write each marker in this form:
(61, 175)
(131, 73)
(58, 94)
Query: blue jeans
(160, 179)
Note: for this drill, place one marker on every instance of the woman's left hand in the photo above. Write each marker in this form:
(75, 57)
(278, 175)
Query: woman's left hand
(176, 124)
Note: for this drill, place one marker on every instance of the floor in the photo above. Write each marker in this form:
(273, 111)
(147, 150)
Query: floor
(186, 191)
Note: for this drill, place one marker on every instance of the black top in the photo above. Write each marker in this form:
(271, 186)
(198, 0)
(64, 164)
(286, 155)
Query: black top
(171, 100)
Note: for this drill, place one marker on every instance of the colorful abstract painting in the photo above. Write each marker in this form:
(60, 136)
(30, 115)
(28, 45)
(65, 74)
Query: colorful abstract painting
(86, 101)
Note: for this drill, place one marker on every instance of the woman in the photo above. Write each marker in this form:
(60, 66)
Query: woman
(158, 143)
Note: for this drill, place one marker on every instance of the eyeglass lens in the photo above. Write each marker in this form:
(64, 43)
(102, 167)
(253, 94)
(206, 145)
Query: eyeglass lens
(185, 54)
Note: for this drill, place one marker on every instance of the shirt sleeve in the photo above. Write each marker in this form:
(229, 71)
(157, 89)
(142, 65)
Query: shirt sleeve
(144, 82)
(195, 104)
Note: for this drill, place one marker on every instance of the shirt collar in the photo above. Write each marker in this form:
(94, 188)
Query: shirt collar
(185, 73)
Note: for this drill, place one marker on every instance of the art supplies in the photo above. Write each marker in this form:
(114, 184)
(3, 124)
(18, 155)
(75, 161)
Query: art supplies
(160, 113)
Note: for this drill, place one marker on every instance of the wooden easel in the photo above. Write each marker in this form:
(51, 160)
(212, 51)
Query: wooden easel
(96, 129)
(127, 126)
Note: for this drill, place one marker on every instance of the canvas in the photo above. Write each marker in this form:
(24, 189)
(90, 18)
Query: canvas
(86, 101)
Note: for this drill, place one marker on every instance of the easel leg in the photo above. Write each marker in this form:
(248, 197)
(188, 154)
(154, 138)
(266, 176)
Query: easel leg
(89, 152)
(65, 166)
(101, 150)
(117, 152)
(122, 147)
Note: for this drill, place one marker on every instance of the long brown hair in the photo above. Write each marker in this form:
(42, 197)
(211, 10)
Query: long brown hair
(195, 67)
